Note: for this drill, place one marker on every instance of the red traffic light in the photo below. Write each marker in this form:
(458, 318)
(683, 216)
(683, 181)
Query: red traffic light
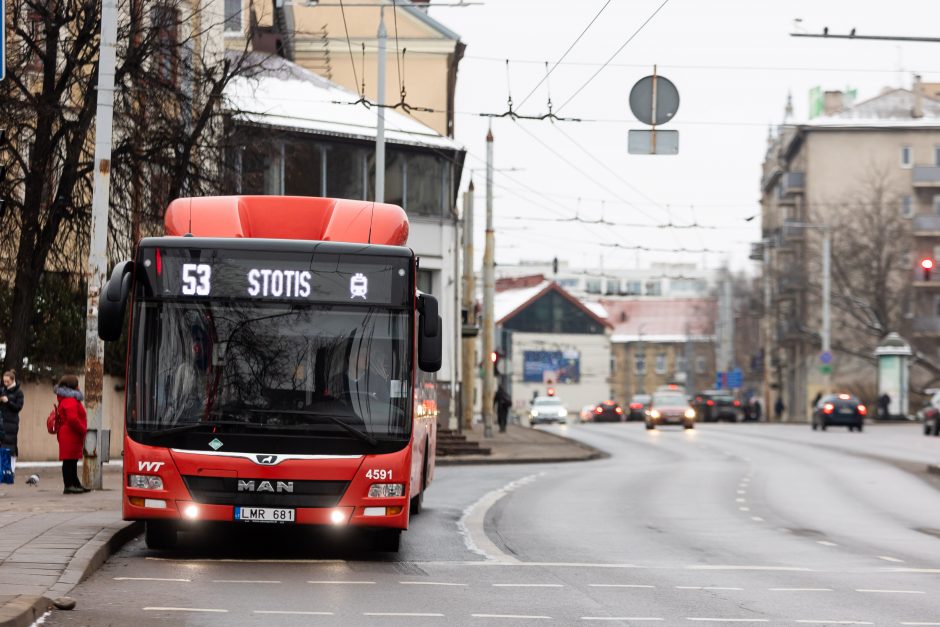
(551, 391)
(926, 264)
(494, 357)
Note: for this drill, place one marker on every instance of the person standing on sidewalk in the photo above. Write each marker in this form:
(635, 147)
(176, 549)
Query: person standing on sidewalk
(503, 402)
(72, 427)
(11, 402)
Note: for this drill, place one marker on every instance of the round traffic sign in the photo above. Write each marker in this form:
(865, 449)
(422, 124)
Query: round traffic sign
(825, 357)
(641, 100)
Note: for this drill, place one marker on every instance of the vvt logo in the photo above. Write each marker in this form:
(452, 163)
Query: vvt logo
(267, 460)
(150, 466)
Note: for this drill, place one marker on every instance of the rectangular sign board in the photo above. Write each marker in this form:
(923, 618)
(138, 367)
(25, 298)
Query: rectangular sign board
(640, 142)
(554, 366)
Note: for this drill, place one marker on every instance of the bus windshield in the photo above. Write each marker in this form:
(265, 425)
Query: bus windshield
(269, 376)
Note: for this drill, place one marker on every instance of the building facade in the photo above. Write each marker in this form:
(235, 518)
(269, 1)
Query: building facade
(868, 175)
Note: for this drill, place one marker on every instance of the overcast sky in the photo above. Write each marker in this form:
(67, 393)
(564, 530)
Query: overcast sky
(733, 62)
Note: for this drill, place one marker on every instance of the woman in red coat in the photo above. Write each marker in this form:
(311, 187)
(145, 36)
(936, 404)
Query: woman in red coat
(72, 427)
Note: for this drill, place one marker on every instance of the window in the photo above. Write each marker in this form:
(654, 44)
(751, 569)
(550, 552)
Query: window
(641, 362)
(233, 16)
(907, 206)
(166, 56)
(936, 204)
(592, 286)
(632, 288)
(569, 283)
(303, 168)
(654, 288)
(936, 155)
(907, 156)
(613, 287)
(680, 363)
(425, 188)
(660, 363)
(426, 281)
(344, 165)
(700, 364)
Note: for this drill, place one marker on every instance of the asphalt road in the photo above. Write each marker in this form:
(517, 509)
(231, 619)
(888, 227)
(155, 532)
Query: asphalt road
(727, 524)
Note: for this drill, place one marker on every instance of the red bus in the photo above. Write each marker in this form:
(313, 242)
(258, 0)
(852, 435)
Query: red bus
(278, 369)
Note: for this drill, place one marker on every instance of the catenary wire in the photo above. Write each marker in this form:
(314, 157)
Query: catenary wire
(349, 45)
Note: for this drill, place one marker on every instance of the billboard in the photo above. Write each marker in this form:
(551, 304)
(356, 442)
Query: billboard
(554, 366)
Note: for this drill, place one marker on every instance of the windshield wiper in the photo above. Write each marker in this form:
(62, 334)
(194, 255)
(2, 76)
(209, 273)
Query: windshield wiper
(362, 435)
(193, 426)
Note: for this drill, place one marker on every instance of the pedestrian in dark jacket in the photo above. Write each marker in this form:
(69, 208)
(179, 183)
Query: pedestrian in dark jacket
(72, 427)
(503, 402)
(11, 402)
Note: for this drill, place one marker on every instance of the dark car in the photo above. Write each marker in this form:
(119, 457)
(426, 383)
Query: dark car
(931, 416)
(843, 410)
(637, 408)
(670, 407)
(608, 411)
(715, 405)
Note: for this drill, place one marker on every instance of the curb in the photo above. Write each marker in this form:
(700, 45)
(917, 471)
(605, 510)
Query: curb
(26, 610)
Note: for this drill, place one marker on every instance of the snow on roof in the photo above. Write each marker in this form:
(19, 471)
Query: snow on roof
(661, 319)
(891, 109)
(508, 301)
(596, 308)
(282, 94)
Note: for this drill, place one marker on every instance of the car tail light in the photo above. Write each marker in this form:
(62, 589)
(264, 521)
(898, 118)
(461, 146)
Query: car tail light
(619, 410)
(737, 403)
(710, 403)
(598, 410)
(636, 405)
(862, 410)
(828, 407)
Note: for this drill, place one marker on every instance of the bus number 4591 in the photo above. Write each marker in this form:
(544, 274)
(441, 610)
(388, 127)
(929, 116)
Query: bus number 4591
(381, 475)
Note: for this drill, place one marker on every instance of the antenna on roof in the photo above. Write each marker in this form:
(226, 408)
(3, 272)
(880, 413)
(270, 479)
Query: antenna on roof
(190, 233)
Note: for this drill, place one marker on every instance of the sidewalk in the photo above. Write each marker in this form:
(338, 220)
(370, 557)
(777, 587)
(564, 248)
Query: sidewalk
(50, 541)
(523, 445)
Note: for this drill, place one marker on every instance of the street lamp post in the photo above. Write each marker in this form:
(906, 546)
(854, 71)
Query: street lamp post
(826, 330)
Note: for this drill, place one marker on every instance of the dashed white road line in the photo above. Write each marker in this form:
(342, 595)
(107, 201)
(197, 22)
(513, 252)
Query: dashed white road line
(728, 620)
(636, 619)
(757, 519)
(405, 614)
(826, 543)
(801, 589)
(795, 569)
(245, 581)
(745, 509)
(520, 616)
(343, 583)
(705, 588)
(431, 583)
(184, 609)
(740, 500)
(294, 612)
(620, 585)
(742, 492)
(890, 559)
(920, 623)
(528, 585)
(890, 591)
(834, 622)
(151, 579)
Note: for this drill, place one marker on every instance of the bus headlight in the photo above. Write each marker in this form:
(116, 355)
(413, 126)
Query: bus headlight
(385, 490)
(145, 482)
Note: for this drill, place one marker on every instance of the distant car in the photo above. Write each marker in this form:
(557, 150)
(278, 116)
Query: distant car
(839, 410)
(587, 413)
(931, 417)
(670, 407)
(608, 411)
(637, 407)
(547, 409)
(715, 405)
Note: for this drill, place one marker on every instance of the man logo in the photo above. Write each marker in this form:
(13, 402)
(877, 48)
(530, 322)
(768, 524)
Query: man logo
(267, 460)
(265, 486)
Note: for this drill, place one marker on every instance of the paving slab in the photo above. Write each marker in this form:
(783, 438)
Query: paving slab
(523, 445)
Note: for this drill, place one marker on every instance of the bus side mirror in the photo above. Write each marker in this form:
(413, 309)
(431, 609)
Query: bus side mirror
(430, 345)
(113, 301)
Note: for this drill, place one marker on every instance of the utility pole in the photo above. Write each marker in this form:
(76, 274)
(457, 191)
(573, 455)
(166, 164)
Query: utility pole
(468, 387)
(826, 307)
(96, 267)
(489, 295)
(380, 112)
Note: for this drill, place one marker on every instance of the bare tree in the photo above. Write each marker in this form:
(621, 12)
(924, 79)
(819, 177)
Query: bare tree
(170, 78)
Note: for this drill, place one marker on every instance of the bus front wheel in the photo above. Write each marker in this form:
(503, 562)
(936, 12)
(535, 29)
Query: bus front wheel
(160, 534)
(387, 540)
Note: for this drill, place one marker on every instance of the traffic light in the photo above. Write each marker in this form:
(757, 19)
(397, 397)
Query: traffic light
(551, 391)
(926, 264)
(494, 359)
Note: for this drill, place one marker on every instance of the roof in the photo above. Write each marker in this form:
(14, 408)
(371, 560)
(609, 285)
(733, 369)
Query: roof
(281, 94)
(890, 109)
(422, 16)
(661, 319)
(510, 302)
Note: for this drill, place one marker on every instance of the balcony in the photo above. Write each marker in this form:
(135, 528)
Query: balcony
(926, 325)
(926, 175)
(789, 282)
(927, 225)
(757, 251)
(792, 183)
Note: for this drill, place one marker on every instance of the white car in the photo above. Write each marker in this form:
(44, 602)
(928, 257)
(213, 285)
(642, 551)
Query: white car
(547, 409)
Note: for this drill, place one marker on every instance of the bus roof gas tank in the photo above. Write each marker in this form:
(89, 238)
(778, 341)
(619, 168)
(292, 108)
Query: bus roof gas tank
(288, 217)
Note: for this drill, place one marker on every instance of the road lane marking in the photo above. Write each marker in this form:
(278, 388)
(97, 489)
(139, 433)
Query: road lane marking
(430, 583)
(151, 579)
(744, 567)
(834, 622)
(745, 509)
(405, 614)
(294, 612)
(890, 559)
(184, 609)
(826, 543)
(728, 620)
(620, 585)
(757, 519)
(801, 589)
(528, 585)
(343, 583)
(742, 492)
(245, 581)
(627, 618)
(471, 525)
(740, 500)
(913, 570)
(920, 623)
(705, 588)
(514, 616)
(890, 591)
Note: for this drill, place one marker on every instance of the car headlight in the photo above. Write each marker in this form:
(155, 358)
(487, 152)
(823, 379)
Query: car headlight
(690, 413)
(562, 413)
(145, 482)
(534, 414)
(654, 413)
(385, 490)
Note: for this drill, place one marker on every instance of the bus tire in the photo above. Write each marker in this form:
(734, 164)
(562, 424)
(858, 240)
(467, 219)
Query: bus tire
(416, 504)
(160, 534)
(387, 540)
